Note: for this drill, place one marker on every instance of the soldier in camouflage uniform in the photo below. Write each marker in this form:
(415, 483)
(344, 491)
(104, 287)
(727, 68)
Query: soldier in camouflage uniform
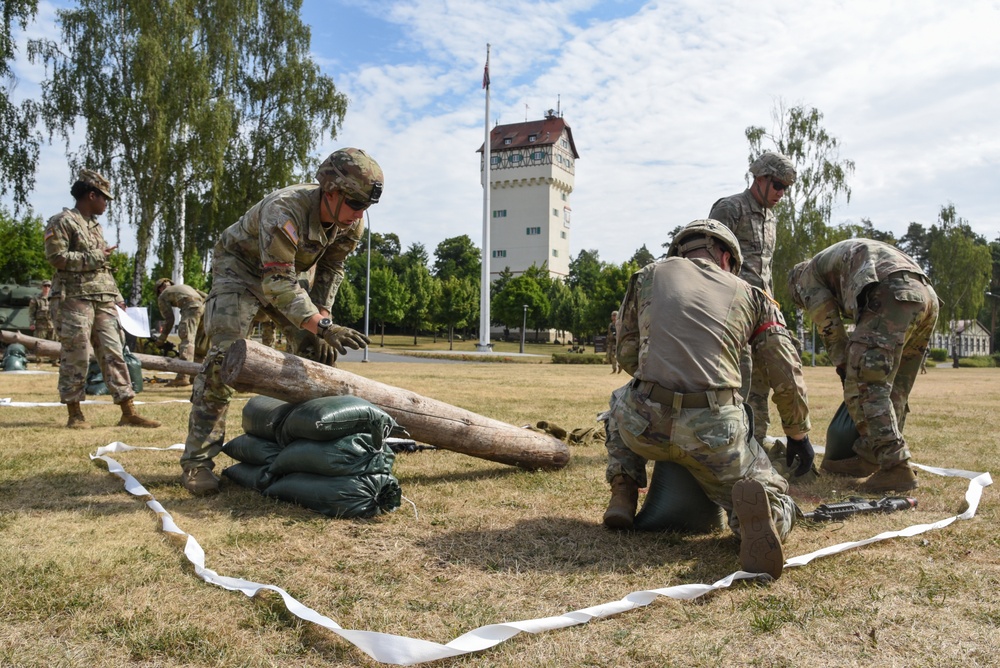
(75, 246)
(191, 303)
(894, 310)
(38, 311)
(682, 325)
(749, 215)
(611, 353)
(256, 268)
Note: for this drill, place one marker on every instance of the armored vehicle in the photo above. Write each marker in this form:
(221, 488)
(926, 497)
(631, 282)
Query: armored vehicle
(14, 300)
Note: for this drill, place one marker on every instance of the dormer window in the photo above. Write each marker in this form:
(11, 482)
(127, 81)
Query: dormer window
(507, 141)
(532, 138)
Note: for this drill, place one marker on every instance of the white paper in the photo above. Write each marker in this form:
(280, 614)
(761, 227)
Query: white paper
(135, 320)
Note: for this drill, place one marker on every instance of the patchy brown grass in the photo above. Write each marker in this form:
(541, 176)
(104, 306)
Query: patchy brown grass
(87, 578)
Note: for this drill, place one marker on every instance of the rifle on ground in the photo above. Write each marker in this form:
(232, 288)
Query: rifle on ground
(829, 512)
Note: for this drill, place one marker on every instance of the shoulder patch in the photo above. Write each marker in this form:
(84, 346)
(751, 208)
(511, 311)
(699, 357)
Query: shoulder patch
(289, 229)
(48, 233)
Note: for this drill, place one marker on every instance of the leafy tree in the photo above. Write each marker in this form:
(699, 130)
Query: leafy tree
(421, 287)
(670, 238)
(804, 212)
(866, 230)
(916, 244)
(508, 305)
(415, 255)
(349, 306)
(585, 270)
(19, 148)
(642, 257)
(961, 267)
(608, 295)
(22, 250)
(457, 305)
(389, 297)
(457, 256)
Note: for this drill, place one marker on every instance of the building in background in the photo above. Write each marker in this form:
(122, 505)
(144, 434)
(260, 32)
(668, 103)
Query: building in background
(532, 166)
(968, 337)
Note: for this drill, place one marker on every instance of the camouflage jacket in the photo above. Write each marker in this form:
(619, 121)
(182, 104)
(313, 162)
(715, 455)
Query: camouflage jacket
(756, 228)
(38, 312)
(683, 324)
(183, 297)
(829, 284)
(75, 246)
(273, 242)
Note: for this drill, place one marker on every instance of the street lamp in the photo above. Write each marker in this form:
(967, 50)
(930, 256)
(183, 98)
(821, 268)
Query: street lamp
(368, 282)
(524, 323)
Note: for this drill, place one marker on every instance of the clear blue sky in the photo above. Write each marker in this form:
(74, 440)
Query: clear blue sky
(658, 95)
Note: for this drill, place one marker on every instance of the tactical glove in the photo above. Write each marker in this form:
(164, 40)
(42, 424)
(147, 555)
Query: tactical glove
(309, 346)
(803, 450)
(342, 338)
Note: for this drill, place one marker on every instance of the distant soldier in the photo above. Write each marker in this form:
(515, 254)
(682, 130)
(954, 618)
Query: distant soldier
(749, 215)
(75, 246)
(684, 321)
(610, 354)
(38, 311)
(191, 303)
(894, 309)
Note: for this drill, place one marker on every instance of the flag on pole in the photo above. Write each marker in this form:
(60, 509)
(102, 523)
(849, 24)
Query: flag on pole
(486, 74)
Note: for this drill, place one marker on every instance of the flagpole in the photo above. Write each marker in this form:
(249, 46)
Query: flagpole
(484, 344)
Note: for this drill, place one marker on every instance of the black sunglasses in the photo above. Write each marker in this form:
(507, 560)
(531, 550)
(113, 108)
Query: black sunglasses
(778, 185)
(373, 198)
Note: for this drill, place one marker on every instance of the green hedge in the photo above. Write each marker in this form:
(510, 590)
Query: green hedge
(577, 358)
(823, 359)
(978, 362)
(939, 354)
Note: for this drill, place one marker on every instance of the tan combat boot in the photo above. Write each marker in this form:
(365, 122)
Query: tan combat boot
(899, 478)
(852, 467)
(760, 545)
(624, 499)
(200, 481)
(132, 419)
(76, 419)
(181, 380)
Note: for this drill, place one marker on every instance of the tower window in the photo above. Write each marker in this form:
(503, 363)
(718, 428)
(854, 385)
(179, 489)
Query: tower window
(499, 253)
(494, 159)
(555, 212)
(555, 253)
(532, 138)
(517, 157)
(562, 235)
(566, 211)
(538, 155)
(533, 230)
(500, 213)
(507, 141)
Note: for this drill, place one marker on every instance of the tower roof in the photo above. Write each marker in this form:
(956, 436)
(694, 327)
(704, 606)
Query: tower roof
(545, 132)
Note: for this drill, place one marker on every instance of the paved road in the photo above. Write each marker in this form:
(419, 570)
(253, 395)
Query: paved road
(375, 356)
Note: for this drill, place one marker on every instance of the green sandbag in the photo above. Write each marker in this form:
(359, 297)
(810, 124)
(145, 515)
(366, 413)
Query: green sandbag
(841, 435)
(248, 475)
(341, 496)
(15, 358)
(675, 502)
(332, 418)
(354, 454)
(251, 449)
(134, 370)
(262, 416)
(95, 380)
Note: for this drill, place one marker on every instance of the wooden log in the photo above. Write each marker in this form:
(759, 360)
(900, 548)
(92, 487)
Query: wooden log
(52, 349)
(252, 367)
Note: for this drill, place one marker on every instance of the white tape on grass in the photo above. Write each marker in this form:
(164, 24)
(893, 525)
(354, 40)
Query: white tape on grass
(400, 650)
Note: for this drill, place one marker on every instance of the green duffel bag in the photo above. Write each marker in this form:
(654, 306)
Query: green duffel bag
(248, 475)
(332, 418)
(262, 416)
(342, 496)
(675, 502)
(353, 454)
(251, 449)
(841, 435)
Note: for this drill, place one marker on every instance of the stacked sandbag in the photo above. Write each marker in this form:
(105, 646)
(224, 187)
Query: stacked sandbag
(329, 454)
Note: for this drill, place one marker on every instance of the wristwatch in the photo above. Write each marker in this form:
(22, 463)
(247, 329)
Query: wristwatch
(323, 325)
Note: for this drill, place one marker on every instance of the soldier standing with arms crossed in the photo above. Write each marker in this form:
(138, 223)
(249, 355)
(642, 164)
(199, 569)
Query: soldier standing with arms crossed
(256, 267)
(894, 309)
(682, 326)
(750, 217)
(75, 246)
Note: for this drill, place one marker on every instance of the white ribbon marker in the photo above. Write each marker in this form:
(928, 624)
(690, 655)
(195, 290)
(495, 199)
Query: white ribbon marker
(400, 650)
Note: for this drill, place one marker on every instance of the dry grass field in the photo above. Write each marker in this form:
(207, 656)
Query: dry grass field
(88, 579)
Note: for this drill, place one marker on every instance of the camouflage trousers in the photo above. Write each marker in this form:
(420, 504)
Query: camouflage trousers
(712, 444)
(187, 328)
(85, 323)
(884, 353)
(228, 318)
(43, 332)
(756, 388)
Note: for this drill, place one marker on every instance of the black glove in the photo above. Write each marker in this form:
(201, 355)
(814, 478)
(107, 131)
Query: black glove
(342, 338)
(803, 450)
(842, 372)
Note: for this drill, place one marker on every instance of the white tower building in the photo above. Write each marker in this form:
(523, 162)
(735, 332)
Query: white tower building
(531, 173)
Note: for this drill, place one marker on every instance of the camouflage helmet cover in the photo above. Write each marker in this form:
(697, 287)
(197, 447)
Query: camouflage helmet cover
(795, 281)
(713, 230)
(46, 283)
(352, 172)
(163, 283)
(776, 165)
(95, 180)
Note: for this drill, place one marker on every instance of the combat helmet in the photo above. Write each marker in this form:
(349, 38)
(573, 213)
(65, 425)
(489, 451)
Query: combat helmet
(706, 234)
(163, 284)
(354, 173)
(796, 280)
(774, 164)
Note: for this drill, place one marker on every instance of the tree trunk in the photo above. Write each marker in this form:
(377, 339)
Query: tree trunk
(251, 367)
(52, 349)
